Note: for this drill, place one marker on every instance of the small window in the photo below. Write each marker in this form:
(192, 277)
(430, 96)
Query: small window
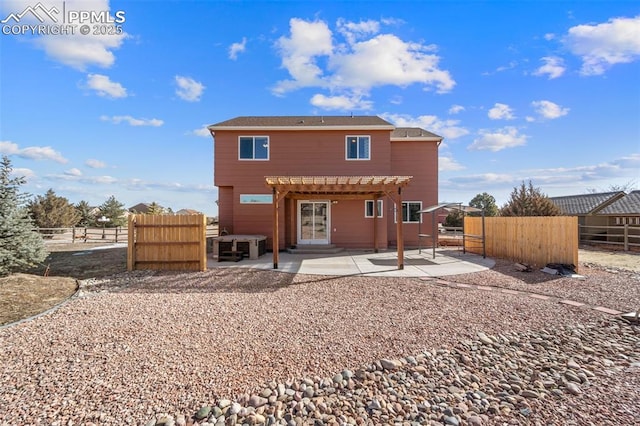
(410, 211)
(253, 148)
(368, 208)
(358, 147)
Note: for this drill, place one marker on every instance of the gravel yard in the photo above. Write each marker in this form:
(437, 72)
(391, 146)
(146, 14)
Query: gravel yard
(267, 347)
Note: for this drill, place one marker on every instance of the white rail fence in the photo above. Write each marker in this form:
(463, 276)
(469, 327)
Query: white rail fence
(95, 234)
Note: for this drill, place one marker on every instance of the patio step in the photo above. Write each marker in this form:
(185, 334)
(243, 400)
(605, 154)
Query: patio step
(315, 249)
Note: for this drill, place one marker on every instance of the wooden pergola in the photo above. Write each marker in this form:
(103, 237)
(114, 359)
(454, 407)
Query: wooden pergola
(339, 188)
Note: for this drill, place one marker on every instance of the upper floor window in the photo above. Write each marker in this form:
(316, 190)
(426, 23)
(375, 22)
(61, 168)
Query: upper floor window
(253, 148)
(358, 147)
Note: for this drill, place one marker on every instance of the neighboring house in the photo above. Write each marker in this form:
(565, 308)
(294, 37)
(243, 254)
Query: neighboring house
(140, 208)
(318, 180)
(188, 211)
(602, 215)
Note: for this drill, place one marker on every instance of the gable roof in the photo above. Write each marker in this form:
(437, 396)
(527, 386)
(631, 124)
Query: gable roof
(629, 204)
(413, 133)
(585, 204)
(304, 122)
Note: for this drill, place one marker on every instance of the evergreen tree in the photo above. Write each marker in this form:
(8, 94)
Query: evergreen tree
(454, 219)
(529, 201)
(486, 202)
(155, 208)
(20, 246)
(113, 210)
(52, 211)
(86, 217)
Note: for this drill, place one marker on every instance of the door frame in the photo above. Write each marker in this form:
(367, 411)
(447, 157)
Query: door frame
(302, 241)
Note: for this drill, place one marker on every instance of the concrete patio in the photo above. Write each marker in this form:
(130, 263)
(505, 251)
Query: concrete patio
(447, 261)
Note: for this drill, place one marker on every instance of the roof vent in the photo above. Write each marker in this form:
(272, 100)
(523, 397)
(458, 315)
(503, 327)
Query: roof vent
(301, 122)
(406, 133)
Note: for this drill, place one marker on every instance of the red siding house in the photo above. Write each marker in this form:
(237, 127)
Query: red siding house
(341, 180)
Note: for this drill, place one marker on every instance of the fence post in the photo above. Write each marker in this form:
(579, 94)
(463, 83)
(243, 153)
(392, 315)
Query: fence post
(131, 246)
(626, 237)
(117, 234)
(73, 235)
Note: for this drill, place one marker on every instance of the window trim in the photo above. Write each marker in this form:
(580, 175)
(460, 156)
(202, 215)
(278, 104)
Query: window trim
(407, 204)
(380, 208)
(253, 137)
(346, 147)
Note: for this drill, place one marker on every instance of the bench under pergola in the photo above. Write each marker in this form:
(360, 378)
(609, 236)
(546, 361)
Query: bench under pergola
(339, 188)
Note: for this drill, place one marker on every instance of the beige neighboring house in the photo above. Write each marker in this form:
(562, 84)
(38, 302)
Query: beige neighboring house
(188, 211)
(603, 216)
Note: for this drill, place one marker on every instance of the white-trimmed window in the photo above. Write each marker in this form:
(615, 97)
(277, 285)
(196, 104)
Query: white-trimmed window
(358, 147)
(410, 211)
(368, 208)
(253, 148)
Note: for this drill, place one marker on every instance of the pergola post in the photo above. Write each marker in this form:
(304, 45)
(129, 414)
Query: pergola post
(375, 224)
(276, 243)
(400, 236)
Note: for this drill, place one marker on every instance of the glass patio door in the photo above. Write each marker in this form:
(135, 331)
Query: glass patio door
(313, 222)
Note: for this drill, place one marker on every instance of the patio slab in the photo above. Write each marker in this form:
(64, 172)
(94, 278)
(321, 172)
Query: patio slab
(447, 261)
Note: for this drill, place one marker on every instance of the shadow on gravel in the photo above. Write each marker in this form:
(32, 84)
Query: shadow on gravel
(219, 280)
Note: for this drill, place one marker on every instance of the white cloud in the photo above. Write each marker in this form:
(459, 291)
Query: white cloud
(105, 87)
(548, 109)
(31, 152)
(73, 172)
(600, 46)
(189, 89)
(511, 65)
(448, 164)
(553, 67)
(449, 129)
(117, 119)
(353, 31)
(549, 36)
(507, 137)
(21, 172)
(202, 132)
(237, 48)
(299, 52)
(363, 60)
(501, 112)
(75, 50)
(388, 60)
(455, 109)
(340, 102)
(95, 164)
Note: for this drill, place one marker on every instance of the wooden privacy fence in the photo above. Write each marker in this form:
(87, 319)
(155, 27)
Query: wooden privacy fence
(534, 240)
(175, 242)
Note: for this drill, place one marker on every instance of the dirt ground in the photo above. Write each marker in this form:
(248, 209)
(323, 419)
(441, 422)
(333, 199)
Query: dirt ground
(610, 259)
(83, 260)
(29, 293)
(24, 295)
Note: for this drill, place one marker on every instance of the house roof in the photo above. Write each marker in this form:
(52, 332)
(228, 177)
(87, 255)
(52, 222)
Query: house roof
(335, 122)
(337, 186)
(629, 204)
(140, 208)
(413, 133)
(585, 204)
(188, 211)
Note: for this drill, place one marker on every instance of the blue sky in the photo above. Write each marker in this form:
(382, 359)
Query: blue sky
(541, 91)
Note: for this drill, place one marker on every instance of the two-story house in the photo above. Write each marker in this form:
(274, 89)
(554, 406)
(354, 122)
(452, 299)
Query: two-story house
(351, 181)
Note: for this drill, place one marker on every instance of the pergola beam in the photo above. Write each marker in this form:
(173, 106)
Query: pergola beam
(339, 188)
